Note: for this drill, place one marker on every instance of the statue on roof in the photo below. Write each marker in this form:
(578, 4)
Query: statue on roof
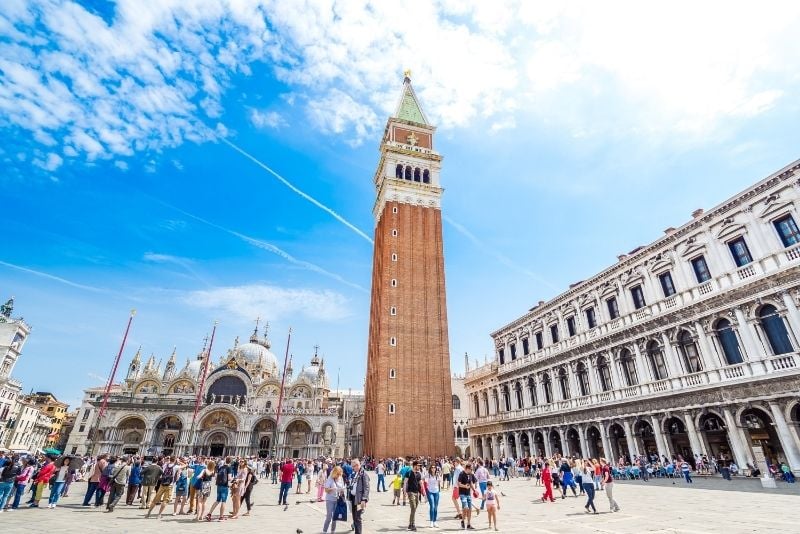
(7, 308)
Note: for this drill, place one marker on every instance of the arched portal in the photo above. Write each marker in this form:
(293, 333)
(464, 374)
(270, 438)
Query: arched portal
(166, 435)
(678, 439)
(525, 440)
(229, 389)
(216, 444)
(760, 432)
(643, 431)
(538, 443)
(131, 430)
(594, 442)
(574, 443)
(618, 441)
(715, 435)
(297, 438)
(555, 443)
(263, 433)
(511, 440)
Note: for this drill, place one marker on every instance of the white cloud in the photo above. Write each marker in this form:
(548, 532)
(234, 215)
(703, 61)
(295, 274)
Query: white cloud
(264, 300)
(121, 165)
(153, 75)
(267, 119)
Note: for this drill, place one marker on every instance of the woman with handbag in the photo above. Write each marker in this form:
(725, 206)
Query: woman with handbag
(203, 488)
(335, 487)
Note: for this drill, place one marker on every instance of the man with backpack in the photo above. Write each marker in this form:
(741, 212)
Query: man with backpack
(118, 479)
(223, 487)
(164, 493)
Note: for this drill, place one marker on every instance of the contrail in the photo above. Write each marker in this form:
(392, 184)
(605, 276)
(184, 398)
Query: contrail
(303, 194)
(502, 258)
(270, 248)
(55, 278)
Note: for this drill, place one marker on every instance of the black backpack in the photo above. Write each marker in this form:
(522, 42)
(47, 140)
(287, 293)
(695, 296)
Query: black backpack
(222, 476)
(168, 475)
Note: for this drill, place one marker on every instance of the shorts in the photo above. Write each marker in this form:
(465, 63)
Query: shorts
(491, 505)
(181, 492)
(222, 493)
(466, 501)
(446, 477)
(397, 493)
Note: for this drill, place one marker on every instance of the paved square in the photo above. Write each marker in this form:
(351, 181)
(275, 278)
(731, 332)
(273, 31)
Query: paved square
(708, 506)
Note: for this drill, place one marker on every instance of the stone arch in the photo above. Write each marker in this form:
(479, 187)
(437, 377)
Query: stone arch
(538, 443)
(759, 429)
(147, 386)
(229, 387)
(181, 386)
(573, 438)
(297, 434)
(556, 447)
(644, 432)
(594, 441)
(618, 441)
(217, 416)
(270, 389)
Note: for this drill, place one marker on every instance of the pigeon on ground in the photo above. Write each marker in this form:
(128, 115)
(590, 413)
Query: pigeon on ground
(286, 507)
(299, 531)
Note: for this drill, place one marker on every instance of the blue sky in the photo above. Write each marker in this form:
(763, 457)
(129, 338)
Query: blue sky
(571, 134)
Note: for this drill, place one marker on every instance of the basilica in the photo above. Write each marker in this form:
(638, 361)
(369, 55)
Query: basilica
(159, 411)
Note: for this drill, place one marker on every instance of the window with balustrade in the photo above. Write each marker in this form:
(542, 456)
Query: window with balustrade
(637, 294)
(583, 379)
(571, 326)
(563, 383)
(787, 230)
(539, 341)
(740, 252)
(667, 285)
(506, 399)
(604, 373)
(700, 268)
(554, 333)
(657, 364)
(548, 389)
(689, 352)
(774, 329)
(728, 342)
(525, 347)
(591, 320)
(518, 395)
(613, 308)
(513, 348)
(628, 364)
(532, 391)
(501, 355)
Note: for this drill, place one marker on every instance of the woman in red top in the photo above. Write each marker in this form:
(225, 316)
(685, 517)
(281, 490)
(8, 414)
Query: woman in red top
(42, 480)
(547, 480)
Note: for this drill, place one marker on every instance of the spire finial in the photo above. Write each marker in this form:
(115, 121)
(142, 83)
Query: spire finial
(407, 75)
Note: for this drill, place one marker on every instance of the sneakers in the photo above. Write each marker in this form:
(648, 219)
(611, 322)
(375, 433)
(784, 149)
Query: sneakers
(462, 524)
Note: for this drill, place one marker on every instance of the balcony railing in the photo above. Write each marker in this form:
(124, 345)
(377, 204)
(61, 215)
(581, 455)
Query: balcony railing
(776, 364)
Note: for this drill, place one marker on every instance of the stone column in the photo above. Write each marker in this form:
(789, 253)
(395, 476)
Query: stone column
(792, 314)
(741, 452)
(694, 439)
(531, 444)
(787, 442)
(641, 367)
(670, 358)
(518, 443)
(615, 374)
(753, 349)
(547, 447)
(564, 444)
(608, 452)
(661, 441)
(630, 438)
(584, 442)
(706, 352)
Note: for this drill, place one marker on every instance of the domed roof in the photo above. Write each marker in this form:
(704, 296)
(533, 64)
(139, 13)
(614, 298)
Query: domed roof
(256, 353)
(309, 373)
(194, 368)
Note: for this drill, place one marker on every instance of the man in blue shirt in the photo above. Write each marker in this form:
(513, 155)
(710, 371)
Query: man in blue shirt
(197, 468)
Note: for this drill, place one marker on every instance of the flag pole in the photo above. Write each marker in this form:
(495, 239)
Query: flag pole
(199, 398)
(280, 396)
(110, 381)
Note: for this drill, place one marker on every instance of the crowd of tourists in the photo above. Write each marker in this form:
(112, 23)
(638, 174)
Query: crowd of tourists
(183, 485)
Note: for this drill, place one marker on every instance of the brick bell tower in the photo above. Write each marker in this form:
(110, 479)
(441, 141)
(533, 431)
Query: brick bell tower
(409, 404)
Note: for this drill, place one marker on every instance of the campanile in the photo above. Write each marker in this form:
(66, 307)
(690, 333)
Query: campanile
(409, 406)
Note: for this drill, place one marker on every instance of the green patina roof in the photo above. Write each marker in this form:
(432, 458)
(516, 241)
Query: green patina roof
(409, 107)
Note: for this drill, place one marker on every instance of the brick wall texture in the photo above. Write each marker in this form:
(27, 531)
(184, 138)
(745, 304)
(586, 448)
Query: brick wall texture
(420, 391)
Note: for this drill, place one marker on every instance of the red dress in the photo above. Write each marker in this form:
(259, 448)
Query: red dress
(547, 480)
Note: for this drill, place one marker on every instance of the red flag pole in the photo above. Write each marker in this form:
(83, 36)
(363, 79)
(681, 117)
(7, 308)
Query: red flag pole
(280, 395)
(199, 397)
(111, 376)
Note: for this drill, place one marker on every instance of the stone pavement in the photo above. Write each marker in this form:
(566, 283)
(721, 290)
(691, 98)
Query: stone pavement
(708, 506)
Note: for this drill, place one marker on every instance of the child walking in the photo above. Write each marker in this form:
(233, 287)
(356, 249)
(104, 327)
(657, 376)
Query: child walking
(492, 504)
(397, 485)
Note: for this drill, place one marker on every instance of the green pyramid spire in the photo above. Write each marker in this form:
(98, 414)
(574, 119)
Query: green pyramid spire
(408, 108)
